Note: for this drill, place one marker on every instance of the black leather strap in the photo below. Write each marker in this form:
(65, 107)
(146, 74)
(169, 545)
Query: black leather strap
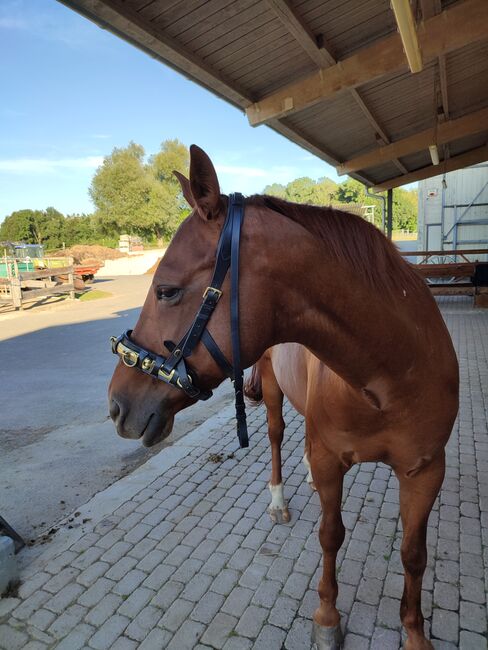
(173, 369)
(238, 214)
(217, 355)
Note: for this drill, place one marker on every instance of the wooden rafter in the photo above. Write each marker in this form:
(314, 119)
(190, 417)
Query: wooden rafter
(432, 8)
(118, 17)
(443, 83)
(445, 132)
(314, 147)
(323, 58)
(464, 23)
(408, 33)
(472, 157)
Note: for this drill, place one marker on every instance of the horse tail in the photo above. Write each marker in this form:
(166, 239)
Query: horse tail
(253, 386)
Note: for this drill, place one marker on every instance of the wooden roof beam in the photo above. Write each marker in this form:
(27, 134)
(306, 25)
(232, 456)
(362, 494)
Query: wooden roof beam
(406, 27)
(472, 157)
(464, 23)
(119, 18)
(443, 84)
(430, 8)
(322, 57)
(445, 132)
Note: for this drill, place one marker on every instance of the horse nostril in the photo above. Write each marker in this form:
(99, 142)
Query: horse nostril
(114, 409)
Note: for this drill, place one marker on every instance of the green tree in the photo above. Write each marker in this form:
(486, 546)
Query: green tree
(351, 191)
(301, 190)
(49, 227)
(80, 229)
(276, 189)
(304, 190)
(404, 203)
(141, 198)
(19, 226)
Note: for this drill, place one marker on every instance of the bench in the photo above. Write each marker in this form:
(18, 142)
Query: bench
(464, 278)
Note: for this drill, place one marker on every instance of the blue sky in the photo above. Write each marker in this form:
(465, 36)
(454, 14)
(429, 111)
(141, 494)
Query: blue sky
(71, 92)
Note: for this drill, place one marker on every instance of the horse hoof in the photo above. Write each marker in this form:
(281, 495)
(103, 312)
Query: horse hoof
(311, 485)
(279, 515)
(326, 638)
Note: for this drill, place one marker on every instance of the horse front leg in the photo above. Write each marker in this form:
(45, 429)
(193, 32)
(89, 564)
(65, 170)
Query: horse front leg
(417, 495)
(328, 474)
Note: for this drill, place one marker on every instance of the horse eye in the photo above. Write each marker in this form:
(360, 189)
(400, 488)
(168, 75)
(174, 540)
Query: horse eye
(167, 293)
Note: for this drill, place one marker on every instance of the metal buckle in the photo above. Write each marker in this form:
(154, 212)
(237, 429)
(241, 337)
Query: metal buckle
(208, 289)
(178, 382)
(148, 364)
(165, 375)
(129, 358)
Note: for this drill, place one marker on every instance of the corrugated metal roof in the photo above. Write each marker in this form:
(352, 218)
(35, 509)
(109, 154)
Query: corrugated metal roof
(247, 50)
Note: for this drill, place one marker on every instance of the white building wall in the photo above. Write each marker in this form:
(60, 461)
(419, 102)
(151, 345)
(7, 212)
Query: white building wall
(440, 206)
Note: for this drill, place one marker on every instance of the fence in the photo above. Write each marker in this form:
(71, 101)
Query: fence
(20, 286)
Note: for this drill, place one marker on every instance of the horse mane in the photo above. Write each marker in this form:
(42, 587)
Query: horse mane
(351, 240)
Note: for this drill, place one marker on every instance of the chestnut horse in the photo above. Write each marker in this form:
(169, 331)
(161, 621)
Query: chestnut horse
(379, 379)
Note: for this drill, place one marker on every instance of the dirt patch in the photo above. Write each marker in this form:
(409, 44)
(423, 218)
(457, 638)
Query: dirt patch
(153, 268)
(90, 253)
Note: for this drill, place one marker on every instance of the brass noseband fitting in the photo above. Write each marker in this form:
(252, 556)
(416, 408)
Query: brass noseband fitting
(129, 358)
(147, 365)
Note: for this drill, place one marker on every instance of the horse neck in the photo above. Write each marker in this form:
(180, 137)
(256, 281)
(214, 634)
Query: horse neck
(360, 333)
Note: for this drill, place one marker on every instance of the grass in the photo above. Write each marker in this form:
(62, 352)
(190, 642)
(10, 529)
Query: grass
(94, 294)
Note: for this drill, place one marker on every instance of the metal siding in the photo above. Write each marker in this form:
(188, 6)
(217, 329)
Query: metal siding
(463, 187)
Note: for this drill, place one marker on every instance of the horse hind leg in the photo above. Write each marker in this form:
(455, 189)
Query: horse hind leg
(418, 490)
(328, 474)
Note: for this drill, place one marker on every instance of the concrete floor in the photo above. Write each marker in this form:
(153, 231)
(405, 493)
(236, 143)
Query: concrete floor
(57, 446)
(182, 554)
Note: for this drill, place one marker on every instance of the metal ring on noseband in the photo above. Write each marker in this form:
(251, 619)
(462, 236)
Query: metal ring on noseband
(173, 369)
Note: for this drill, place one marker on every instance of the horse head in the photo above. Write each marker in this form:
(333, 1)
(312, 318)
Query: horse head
(141, 405)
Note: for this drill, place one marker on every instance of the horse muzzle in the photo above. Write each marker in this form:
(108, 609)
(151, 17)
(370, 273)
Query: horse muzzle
(151, 428)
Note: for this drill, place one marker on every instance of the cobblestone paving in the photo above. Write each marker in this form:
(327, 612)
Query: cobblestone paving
(193, 561)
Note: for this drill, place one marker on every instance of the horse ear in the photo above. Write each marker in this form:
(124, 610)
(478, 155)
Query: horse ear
(204, 184)
(185, 188)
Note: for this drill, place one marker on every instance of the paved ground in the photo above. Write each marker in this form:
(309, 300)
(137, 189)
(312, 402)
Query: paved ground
(182, 554)
(57, 447)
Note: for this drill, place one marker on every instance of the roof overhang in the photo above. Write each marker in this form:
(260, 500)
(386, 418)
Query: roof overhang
(381, 94)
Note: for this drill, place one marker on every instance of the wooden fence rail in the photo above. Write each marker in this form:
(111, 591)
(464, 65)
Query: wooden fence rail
(22, 286)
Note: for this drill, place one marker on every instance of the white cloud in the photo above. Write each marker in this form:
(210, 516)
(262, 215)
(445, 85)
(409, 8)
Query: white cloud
(251, 180)
(48, 166)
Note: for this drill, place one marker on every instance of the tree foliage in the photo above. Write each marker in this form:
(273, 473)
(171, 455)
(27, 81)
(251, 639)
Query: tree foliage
(49, 228)
(304, 190)
(326, 192)
(136, 194)
(139, 197)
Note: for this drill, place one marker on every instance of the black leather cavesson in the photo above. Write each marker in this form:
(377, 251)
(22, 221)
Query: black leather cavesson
(173, 369)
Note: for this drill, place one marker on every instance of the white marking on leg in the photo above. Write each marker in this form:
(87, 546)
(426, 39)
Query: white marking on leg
(306, 462)
(277, 497)
(278, 508)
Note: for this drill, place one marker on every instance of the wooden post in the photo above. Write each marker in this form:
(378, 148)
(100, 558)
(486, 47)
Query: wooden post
(389, 214)
(15, 287)
(71, 279)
